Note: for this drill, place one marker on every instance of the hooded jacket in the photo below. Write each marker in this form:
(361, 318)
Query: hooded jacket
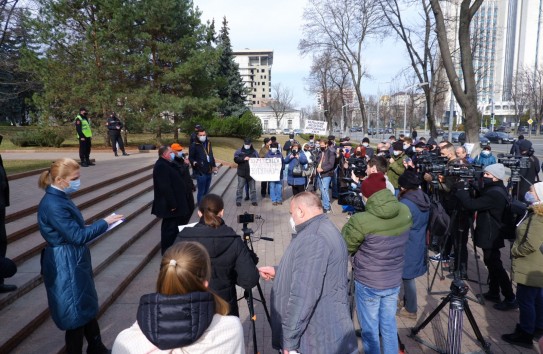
(395, 169)
(378, 237)
(526, 252)
(231, 262)
(484, 160)
(415, 249)
(243, 165)
(66, 260)
(201, 157)
(180, 324)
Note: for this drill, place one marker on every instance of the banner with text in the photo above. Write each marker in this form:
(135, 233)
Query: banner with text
(315, 127)
(265, 169)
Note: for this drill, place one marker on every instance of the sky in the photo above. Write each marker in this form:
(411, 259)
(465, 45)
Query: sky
(277, 25)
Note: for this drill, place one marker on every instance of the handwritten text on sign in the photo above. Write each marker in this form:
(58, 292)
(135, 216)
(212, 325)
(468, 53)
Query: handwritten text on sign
(315, 127)
(265, 169)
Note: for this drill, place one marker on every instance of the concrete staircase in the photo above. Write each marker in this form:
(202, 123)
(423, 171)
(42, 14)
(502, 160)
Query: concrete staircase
(121, 258)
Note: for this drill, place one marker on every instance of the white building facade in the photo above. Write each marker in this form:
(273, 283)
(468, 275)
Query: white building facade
(292, 119)
(255, 70)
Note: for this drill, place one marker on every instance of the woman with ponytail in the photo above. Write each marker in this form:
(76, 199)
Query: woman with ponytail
(231, 262)
(66, 261)
(184, 315)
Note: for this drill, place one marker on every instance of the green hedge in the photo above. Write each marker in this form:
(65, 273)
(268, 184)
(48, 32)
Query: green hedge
(42, 136)
(248, 125)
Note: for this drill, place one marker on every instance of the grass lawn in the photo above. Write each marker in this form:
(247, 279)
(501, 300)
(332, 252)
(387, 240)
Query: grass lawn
(18, 166)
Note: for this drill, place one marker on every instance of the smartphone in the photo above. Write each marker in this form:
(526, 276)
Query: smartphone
(407, 160)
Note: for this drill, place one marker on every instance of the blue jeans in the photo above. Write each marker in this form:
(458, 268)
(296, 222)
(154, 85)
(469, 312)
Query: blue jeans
(203, 182)
(530, 303)
(276, 191)
(324, 185)
(410, 295)
(376, 310)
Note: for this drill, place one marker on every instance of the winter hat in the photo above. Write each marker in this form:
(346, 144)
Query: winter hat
(497, 170)
(420, 144)
(331, 137)
(291, 136)
(374, 183)
(397, 145)
(176, 147)
(525, 145)
(409, 180)
(247, 141)
(538, 188)
(487, 147)
(266, 140)
(366, 140)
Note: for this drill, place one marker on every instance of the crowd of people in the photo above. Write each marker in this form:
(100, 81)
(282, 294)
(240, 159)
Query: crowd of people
(195, 309)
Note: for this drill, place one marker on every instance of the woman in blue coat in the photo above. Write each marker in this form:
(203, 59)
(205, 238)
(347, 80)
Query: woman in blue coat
(295, 157)
(66, 261)
(415, 263)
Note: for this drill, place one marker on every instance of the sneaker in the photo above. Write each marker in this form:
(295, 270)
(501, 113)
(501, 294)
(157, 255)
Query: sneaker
(6, 288)
(492, 297)
(326, 211)
(406, 314)
(274, 203)
(507, 305)
(439, 258)
(238, 204)
(519, 337)
(279, 203)
(254, 204)
(125, 154)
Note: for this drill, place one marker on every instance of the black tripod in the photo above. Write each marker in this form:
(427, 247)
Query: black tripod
(248, 293)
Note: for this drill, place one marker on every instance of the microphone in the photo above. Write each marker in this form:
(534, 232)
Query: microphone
(266, 238)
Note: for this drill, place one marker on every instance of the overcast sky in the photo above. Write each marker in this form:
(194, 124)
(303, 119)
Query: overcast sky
(276, 25)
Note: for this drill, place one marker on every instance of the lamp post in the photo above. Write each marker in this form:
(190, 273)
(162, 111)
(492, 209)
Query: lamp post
(343, 117)
(405, 103)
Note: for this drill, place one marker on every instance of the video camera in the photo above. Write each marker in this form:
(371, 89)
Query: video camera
(469, 172)
(515, 163)
(358, 166)
(246, 218)
(430, 162)
(351, 197)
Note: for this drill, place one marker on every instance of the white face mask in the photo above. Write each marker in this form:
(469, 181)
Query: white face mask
(292, 225)
(485, 152)
(202, 138)
(396, 153)
(247, 147)
(365, 144)
(273, 150)
(405, 147)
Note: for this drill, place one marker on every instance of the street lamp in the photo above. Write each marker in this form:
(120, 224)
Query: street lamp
(343, 117)
(405, 103)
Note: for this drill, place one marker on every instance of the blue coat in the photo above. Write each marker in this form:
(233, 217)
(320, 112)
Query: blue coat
(291, 180)
(415, 249)
(485, 160)
(66, 260)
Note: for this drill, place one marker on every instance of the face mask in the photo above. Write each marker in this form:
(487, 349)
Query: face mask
(291, 140)
(202, 139)
(485, 152)
(292, 225)
(294, 150)
(172, 156)
(396, 153)
(392, 141)
(311, 140)
(180, 154)
(365, 144)
(405, 147)
(247, 147)
(530, 198)
(273, 150)
(487, 180)
(73, 187)
(322, 149)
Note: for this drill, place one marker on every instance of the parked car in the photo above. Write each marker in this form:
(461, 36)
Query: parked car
(298, 131)
(354, 129)
(440, 132)
(503, 128)
(483, 130)
(286, 131)
(499, 137)
(454, 136)
(483, 141)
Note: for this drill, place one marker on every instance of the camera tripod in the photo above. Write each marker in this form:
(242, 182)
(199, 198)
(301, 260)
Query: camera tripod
(248, 293)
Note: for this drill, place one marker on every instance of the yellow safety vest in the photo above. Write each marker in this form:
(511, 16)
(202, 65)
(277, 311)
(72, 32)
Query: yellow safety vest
(85, 126)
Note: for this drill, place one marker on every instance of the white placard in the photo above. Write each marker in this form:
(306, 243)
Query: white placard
(315, 127)
(469, 147)
(265, 169)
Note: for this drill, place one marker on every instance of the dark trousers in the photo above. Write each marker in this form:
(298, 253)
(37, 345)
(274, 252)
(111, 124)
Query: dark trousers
(459, 239)
(264, 188)
(530, 302)
(84, 149)
(169, 230)
(74, 338)
(3, 240)
(298, 189)
(115, 138)
(203, 182)
(497, 276)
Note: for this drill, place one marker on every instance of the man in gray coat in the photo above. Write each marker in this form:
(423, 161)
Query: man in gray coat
(309, 307)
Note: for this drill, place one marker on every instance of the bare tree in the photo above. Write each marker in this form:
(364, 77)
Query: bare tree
(533, 81)
(7, 10)
(465, 88)
(281, 102)
(421, 44)
(341, 27)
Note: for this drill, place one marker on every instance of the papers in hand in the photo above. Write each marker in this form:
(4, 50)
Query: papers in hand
(181, 227)
(115, 224)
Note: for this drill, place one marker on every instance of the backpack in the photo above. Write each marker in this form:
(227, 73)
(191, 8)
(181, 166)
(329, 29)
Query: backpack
(513, 211)
(439, 220)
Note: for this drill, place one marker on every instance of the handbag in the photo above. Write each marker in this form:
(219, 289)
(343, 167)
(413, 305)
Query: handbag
(297, 170)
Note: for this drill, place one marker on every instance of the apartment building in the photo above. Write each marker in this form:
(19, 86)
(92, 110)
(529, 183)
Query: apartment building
(255, 70)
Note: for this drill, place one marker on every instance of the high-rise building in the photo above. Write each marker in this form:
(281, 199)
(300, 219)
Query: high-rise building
(507, 39)
(255, 70)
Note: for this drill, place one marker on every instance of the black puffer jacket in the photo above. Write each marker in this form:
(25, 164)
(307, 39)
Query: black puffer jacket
(231, 262)
(489, 207)
(175, 321)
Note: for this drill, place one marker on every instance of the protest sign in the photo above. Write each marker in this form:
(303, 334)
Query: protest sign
(265, 169)
(315, 127)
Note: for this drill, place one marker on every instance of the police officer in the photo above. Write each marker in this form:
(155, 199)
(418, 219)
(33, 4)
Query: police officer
(84, 135)
(114, 126)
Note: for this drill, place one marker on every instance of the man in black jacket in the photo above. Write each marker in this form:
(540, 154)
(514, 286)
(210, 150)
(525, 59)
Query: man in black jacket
(203, 162)
(490, 207)
(241, 157)
(169, 201)
(529, 175)
(114, 126)
(4, 202)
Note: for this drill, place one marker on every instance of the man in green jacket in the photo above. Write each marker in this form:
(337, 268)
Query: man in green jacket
(396, 166)
(377, 237)
(84, 136)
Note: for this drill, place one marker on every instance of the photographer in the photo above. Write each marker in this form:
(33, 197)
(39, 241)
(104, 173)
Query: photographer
(529, 175)
(231, 262)
(490, 207)
(294, 158)
(396, 166)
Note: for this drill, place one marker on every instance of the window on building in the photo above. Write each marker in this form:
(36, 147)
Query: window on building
(254, 96)
(254, 102)
(266, 124)
(263, 89)
(289, 123)
(263, 70)
(254, 89)
(263, 82)
(263, 96)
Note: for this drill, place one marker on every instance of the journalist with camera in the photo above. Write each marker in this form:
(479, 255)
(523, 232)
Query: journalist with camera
(490, 206)
(528, 169)
(444, 177)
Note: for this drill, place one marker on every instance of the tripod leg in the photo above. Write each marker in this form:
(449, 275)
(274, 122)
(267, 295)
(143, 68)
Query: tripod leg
(263, 301)
(455, 326)
(249, 296)
(476, 330)
(479, 296)
(416, 330)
